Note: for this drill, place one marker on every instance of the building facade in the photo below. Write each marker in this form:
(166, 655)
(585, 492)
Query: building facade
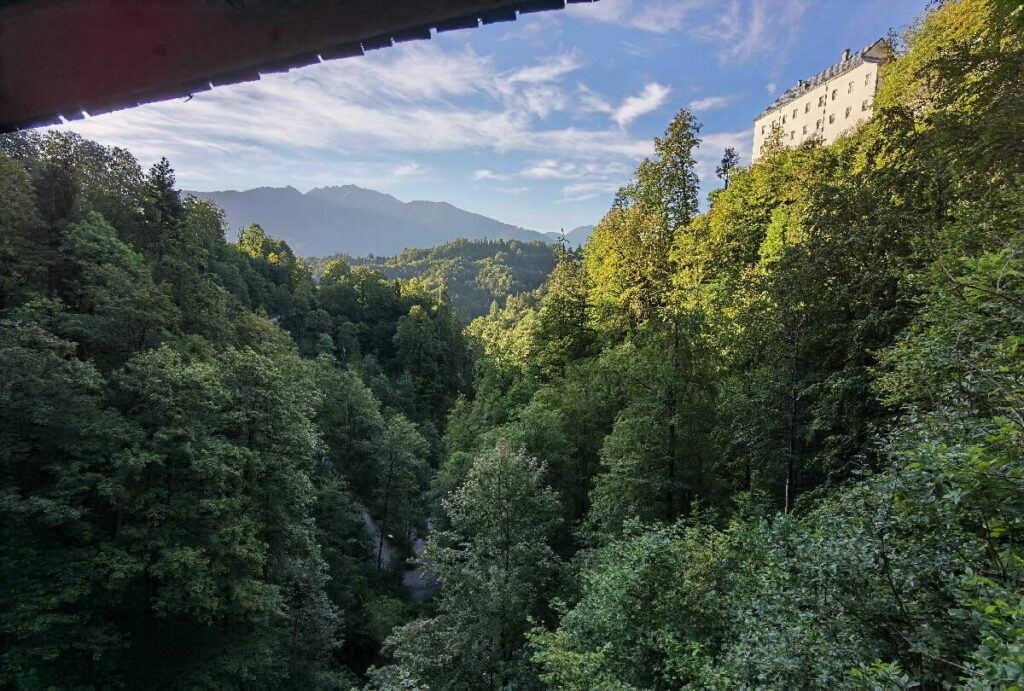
(826, 105)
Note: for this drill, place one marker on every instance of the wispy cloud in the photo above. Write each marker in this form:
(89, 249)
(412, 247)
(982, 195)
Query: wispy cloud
(582, 191)
(655, 16)
(538, 28)
(549, 70)
(711, 103)
(713, 145)
(408, 169)
(592, 183)
(645, 49)
(663, 17)
(591, 101)
(549, 169)
(649, 99)
(741, 29)
(413, 98)
(746, 29)
(553, 169)
(559, 112)
(485, 174)
(544, 100)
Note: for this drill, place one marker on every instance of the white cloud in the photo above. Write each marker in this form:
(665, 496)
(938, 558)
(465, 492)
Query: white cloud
(711, 103)
(741, 29)
(640, 50)
(513, 190)
(486, 174)
(582, 191)
(746, 29)
(663, 17)
(412, 98)
(549, 169)
(374, 119)
(552, 169)
(415, 72)
(549, 70)
(407, 169)
(713, 146)
(770, 88)
(650, 98)
(537, 28)
(655, 16)
(592, 102)
(591, 179)
(544, 100)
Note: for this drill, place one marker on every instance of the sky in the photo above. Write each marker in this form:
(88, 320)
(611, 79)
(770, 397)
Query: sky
(535, 122)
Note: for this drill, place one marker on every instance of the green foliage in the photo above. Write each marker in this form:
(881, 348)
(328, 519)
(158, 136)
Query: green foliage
(473, 274)
(183, 494)
(114, 307)
(497, 567)
(794, 418)
(409, 340)
(58, 437)
(780, 441)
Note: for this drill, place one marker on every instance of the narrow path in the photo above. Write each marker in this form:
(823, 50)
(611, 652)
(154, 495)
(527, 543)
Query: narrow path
(419, 584)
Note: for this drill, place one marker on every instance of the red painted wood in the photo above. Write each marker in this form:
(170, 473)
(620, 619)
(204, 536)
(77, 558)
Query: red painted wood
(61, 56)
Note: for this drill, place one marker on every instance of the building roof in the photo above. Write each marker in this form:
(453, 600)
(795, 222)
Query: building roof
(876, 52)
(59, 58)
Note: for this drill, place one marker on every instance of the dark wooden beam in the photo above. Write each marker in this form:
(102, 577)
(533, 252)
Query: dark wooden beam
(63, 57)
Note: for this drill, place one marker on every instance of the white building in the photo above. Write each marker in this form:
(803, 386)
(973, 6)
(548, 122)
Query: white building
(826, 105)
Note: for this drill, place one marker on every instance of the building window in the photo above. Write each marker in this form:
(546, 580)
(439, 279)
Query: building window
(794, 113)
(847, 112)
(849, 88)
(821, 101)
(805, 129)
(807, 108)
(817, 125)
(867, 79)
(864, 105)
(783, 119)
(792, 134)
(835, 92)
(831, 118)
(762, 129)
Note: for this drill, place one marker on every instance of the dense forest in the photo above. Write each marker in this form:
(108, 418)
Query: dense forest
(776, 444)
(473, 273)
(194, 437)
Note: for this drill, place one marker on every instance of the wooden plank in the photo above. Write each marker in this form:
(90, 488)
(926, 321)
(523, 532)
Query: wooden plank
(56, 55)
(495, 16)
(345, 50)
(419, 33)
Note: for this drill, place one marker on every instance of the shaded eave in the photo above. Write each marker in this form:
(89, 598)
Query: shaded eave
(59, 58)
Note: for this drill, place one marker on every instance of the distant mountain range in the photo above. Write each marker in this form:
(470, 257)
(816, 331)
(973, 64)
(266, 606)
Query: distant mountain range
(362, 222)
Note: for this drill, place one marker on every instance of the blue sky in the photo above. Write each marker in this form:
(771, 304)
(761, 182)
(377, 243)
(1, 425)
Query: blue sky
(535, 122)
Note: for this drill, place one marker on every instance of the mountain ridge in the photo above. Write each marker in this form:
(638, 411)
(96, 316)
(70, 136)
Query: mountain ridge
(359, 221)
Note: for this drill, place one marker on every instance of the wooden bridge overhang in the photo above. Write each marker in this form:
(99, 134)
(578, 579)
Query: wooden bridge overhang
(64, 58)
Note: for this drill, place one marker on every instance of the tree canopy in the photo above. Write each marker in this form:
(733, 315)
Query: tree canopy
(773, 444)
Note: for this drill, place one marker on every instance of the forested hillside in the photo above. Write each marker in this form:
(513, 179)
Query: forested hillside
(356, 220)
(194, 435)
(777, 444)
(473, 273)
